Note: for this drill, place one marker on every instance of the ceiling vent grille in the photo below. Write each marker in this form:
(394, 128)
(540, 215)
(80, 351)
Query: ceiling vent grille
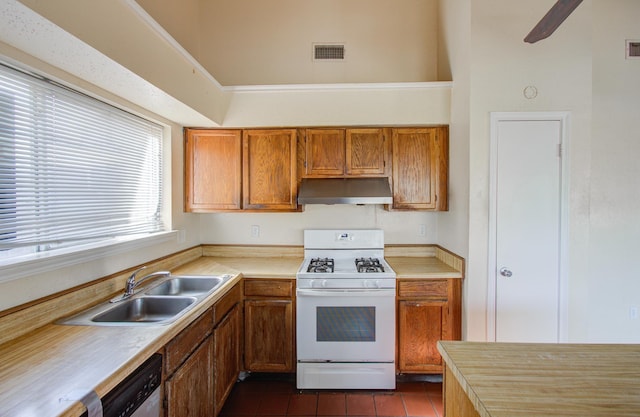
(633, 49)
(328, 52)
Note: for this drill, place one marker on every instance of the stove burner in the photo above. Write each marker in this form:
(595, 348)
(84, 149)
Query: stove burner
(320, 265)
(369, 265)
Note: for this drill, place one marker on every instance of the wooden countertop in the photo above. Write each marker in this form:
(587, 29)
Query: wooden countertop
(261, 267)
(43, 367)
(406, 267)
(421, 263)
(39, 370)
(421, 267)
(563, 380)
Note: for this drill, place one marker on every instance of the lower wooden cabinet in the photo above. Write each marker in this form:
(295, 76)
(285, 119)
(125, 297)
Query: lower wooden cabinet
(428, 310)
(202, 363)
(227, 350)
(189, 391)
(268, 325)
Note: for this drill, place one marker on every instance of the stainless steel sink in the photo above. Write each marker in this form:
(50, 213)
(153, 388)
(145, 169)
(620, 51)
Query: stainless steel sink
(145, 309)
(162, 302)
(186, 286)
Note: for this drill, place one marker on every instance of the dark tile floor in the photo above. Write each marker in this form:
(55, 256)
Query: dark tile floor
(276, 396)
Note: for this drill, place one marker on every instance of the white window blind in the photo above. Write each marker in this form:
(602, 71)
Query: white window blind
(72, 169)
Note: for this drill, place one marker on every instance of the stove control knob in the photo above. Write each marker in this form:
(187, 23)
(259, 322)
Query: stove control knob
(318, 283)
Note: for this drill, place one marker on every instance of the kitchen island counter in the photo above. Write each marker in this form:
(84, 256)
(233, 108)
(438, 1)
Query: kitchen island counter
(526, 379)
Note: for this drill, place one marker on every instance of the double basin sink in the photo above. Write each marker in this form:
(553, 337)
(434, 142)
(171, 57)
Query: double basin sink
(162, 302)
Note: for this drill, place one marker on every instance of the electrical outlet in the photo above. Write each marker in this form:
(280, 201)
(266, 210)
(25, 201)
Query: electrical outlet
(633, 312)
(255, 231)
(422, 230)
(182, 236)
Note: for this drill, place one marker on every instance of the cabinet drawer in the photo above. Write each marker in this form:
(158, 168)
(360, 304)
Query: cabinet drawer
(425, 288)
(183, 344)
(226, 303)
(268, 288)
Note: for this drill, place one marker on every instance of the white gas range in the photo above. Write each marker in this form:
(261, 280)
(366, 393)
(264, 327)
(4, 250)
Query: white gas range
(345, 318)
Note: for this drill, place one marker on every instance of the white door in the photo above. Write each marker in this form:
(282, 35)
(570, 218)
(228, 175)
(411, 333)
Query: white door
(527, 204)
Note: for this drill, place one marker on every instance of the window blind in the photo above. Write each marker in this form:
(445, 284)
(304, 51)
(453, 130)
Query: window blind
(72, 168)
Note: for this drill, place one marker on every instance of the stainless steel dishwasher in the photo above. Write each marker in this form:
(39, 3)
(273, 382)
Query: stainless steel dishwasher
(138, 395)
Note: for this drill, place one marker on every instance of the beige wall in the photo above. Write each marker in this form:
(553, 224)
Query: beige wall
(612, 286)
(580, 69)
(84, 57)
(253, 42)
(501, 66)
(455, 43)
(181, 18)
(116, 31)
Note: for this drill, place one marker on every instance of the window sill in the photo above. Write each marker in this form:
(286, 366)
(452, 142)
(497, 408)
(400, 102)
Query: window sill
(48, 261)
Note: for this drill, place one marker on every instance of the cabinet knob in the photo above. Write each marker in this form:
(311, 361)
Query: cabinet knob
(505, 272)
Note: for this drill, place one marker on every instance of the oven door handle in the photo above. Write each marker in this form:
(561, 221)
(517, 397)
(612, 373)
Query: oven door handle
(369, 292)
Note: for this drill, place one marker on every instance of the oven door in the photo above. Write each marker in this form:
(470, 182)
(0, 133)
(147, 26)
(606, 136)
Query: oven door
(345, 325)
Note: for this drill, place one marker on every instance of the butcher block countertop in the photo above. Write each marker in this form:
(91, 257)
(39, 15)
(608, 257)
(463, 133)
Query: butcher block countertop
(563, 380)
(45, 366)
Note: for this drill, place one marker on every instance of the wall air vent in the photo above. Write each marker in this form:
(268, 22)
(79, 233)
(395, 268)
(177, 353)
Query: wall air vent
(328, 52)
(633, 49)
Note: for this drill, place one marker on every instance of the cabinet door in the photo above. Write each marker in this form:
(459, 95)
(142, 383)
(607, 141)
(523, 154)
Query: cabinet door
(227, 356)
(365, 152)
(268, 335)
(420, 166)
(420, 326)
(213, 170)
(179, 349)
(189, 392)
(270, 179)
(325, 152)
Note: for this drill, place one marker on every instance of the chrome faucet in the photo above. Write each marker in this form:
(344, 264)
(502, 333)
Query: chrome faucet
(131, 283)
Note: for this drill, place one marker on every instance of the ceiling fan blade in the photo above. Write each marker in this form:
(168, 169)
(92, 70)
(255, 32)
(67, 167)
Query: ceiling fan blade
(554, 18)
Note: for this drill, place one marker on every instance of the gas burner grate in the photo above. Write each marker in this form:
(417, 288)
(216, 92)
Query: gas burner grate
(365, 265)
(321, 265)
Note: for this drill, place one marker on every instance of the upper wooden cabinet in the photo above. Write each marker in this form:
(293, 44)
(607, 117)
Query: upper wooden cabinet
(234, 169)
(213, 170)
(260, 169)
(420, 168)
(269, 169)
(345, 152)
(324, 152)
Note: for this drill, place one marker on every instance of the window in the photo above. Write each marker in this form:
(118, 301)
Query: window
(73, 169)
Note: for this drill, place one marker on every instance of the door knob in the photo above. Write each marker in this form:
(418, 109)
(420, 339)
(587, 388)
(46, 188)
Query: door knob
(505, 272)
